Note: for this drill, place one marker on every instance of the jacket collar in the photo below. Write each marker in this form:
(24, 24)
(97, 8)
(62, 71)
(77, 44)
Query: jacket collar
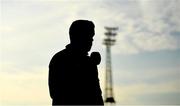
(74, 51)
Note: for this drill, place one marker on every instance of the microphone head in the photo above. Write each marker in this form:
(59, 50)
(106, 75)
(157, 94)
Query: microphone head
(95, 58)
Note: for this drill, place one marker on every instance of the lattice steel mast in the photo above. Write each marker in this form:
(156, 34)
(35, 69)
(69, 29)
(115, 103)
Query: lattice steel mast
(108, 42)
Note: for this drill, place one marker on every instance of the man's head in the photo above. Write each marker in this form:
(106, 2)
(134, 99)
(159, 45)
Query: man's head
(81, 34)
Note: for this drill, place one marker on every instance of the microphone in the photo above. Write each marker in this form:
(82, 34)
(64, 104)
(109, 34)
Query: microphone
(95, 58)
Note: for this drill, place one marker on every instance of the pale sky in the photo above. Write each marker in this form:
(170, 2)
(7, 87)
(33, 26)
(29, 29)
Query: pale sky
(146, 56)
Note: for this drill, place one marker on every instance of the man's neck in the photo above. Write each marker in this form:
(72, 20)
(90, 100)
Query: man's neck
(75, 50)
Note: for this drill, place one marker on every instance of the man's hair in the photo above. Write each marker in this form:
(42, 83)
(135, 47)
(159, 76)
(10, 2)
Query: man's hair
(81, 29)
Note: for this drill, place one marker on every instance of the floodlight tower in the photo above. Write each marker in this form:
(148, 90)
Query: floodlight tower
(108, 42)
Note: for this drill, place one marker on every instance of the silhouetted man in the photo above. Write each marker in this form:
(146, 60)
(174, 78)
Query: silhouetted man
(73, 75)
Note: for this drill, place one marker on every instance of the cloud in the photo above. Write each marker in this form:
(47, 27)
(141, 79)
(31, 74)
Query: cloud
(143, 31)
(151, 42)
(130, 94)
(24, 88)
(140, 87)
(149, 31)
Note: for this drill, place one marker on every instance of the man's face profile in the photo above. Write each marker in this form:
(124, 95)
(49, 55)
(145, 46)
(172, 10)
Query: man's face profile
(85, 42)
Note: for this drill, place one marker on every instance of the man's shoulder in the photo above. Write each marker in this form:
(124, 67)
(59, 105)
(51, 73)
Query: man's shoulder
(60, 54)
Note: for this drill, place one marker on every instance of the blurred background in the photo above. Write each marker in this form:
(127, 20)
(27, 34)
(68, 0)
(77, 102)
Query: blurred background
(145, 57)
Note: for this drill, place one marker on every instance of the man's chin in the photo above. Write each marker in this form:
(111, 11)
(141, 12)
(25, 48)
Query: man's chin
(86, 51)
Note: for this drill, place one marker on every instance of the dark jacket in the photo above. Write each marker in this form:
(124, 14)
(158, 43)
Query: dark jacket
(73, 79)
